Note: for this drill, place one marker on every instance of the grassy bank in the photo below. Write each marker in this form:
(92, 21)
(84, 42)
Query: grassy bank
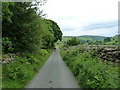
(89, 70)
(18, 73)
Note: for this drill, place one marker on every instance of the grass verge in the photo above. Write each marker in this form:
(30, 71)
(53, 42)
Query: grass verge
(18, 73)
(89, 70)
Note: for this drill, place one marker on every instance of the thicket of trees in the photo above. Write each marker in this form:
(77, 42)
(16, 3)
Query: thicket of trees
(76, 40)
(107, 39)
(73, 41)
(25, 30)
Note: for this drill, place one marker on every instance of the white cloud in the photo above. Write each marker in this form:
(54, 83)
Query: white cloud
(79, 13)
(101, 32)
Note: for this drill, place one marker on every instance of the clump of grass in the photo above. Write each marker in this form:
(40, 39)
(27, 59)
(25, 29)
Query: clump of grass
(89, 70)
(18, 73)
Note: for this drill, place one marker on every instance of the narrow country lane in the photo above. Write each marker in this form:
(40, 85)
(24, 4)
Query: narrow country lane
(54, 74)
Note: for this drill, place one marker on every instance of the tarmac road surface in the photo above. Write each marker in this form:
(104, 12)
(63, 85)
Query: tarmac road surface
(54, 74)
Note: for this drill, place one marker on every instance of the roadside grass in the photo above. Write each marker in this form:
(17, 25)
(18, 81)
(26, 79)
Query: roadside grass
(59, 45)
(89, 70)
(18, 73)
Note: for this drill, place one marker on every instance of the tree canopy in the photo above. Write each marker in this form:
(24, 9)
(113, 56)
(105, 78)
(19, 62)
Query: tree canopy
(73, 41)
(107, 39)
(26, 29)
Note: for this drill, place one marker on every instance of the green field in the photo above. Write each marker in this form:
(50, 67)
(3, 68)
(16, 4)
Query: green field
(90, 39)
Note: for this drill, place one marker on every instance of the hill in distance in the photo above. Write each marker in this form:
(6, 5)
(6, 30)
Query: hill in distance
(93, 37)
(89, 37)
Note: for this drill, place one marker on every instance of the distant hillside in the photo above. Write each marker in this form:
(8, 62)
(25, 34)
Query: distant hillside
(114, 40)
(93, 37)
(85, 37)
(90, 39)
(66, 38)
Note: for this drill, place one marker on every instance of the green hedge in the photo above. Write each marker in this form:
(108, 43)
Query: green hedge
(89, 70)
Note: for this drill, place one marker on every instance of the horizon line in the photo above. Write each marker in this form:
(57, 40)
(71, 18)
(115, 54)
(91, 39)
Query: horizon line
(90, 35)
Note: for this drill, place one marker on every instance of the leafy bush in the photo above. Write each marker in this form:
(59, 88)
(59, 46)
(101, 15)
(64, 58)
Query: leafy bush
(43, 52)
(18, 73)
(89, 70)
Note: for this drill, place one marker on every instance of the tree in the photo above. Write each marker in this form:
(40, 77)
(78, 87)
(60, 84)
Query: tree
(52, 33)
(107, 39)
(47, 36)
(6, 13)
(26, 29)
(73, 41)
(56, 30)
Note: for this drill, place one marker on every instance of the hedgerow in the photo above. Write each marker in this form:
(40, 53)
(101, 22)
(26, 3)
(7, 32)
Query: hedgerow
(89, 70)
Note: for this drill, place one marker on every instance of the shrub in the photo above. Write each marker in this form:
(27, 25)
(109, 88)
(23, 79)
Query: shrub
(89, 70)
(43, 52)
(18, 73)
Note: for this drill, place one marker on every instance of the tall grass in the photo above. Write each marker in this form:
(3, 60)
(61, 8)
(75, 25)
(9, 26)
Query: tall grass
(89, 70)
(18, 73)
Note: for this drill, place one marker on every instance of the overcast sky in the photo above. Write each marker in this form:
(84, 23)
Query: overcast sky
(84, 17)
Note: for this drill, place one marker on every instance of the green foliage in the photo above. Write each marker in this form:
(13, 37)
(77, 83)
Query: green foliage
(21, 30)
(93, 37)
(89, 70)
(7, 45)
(56, 30)
(48, 37)
(113, 40)
(73, 41)
(94, 40)
(83, 40)
(107, 39)
(23, 69)
(26, 28)
(43, 52)
(6, 13)
(26, 32)
(52, 34)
